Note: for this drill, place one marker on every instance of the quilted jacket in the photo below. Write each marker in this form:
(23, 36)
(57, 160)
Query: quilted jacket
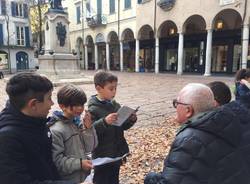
(211, 148)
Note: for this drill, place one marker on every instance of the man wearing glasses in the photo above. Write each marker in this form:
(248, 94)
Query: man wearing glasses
(212, 146)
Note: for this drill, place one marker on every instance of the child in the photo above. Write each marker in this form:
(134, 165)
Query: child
(25, 140)
(242, 84)
(221, 91)
(71, 143)
(111, 139)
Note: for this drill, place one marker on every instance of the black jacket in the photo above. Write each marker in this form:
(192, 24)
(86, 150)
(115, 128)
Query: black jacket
(211, 148)
(111, 140)
(25, 150)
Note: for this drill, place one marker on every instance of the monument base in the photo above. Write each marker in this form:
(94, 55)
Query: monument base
(61, 69)
(60, 64)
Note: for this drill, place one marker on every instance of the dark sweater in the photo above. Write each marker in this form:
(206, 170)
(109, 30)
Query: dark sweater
(211, 148)
(111, 140)
(25, 150)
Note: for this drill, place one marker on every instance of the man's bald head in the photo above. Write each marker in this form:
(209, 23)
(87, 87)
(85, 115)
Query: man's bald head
(199, 98)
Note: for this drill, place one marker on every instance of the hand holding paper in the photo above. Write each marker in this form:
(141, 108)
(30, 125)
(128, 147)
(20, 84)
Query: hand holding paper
(123, 114)
(106, 160)
(111, 118)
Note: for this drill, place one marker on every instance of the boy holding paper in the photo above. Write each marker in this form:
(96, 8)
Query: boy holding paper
(112, 143)
(73, 137)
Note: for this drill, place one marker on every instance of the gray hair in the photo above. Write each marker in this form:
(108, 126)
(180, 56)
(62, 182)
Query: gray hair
(198, 95)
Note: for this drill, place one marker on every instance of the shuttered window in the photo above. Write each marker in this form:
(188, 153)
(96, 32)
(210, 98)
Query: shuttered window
(27, 36)
(1, 34)
(3, 7)
(19, 10)
(20, 35)
(13, 8)
(78, 14)
(111, 6)
(127, 4)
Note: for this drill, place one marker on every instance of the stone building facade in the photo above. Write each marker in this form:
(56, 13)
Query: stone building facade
(177, 36)
(14, 14)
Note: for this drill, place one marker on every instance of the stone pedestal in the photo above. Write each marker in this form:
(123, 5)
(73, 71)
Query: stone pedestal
(60, 64)
(58, 58)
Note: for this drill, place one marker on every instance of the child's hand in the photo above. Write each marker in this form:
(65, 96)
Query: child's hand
(133, 117)
(87, 165)
(111, 118)
(87, 120)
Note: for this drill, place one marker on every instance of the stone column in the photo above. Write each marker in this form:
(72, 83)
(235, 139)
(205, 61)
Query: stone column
(156, 55)
(180, 54)
(96, 57)
(121, 56)
(107, 56)
(86, 57)
(137, 54)
(245, 42)
(209, 52)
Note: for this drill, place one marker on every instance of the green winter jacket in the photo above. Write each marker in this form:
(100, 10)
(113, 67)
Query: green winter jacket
(111, 140)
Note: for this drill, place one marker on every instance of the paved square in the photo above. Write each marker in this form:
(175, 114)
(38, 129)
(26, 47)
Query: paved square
(152, 92)
(151, 137)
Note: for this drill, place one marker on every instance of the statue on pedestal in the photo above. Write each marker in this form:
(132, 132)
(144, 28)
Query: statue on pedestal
(61, 33)
(56, 4)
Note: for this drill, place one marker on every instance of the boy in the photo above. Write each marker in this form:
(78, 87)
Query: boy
(25, 141)
(221, 91)
(111, 141)
(70, 141)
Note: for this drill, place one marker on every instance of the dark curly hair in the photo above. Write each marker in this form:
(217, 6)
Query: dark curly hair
(27, 85)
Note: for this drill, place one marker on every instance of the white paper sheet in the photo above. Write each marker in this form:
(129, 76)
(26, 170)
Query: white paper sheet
(123, 114)
(105, 160)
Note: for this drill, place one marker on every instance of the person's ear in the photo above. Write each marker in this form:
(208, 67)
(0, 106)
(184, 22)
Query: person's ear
(62, 107)
(216, 104)
(189, 111)
(32, 104)
(98, 88)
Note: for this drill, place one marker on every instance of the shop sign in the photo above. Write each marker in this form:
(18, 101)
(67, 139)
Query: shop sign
(226, 2)
(100, 38)
(166, 4)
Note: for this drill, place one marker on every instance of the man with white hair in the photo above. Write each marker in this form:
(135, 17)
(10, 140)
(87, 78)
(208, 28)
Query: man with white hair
(212, 146)
(194, 98)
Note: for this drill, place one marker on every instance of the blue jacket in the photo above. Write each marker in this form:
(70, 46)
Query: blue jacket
(211, 148)
(241, 91)
(25, 150)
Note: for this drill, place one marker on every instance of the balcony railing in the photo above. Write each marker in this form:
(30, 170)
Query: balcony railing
(97, 20)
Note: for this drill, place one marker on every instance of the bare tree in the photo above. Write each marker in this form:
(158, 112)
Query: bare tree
(7, 20)
(37, 9)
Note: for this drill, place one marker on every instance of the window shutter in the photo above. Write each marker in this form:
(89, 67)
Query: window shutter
(27, 36)
(127, 4)
(25, 9)
(78, 15)
(3, 4)
(1, 34)
(13, 9)
(111, 6)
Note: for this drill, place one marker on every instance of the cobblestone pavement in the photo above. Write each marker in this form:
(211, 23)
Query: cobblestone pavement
(153, 93)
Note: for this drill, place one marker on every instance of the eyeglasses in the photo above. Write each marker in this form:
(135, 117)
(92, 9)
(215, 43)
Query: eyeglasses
(175, 103)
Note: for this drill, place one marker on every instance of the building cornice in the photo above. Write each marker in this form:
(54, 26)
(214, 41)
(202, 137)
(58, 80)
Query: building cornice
(110, 23)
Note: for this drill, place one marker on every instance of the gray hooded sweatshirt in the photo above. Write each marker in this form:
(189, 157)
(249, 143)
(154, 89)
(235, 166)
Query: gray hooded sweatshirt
(70, 145)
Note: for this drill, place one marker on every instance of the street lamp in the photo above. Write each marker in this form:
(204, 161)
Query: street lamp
(83, 53)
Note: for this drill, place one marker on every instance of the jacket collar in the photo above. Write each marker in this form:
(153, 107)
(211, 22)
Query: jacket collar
(10, 115)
